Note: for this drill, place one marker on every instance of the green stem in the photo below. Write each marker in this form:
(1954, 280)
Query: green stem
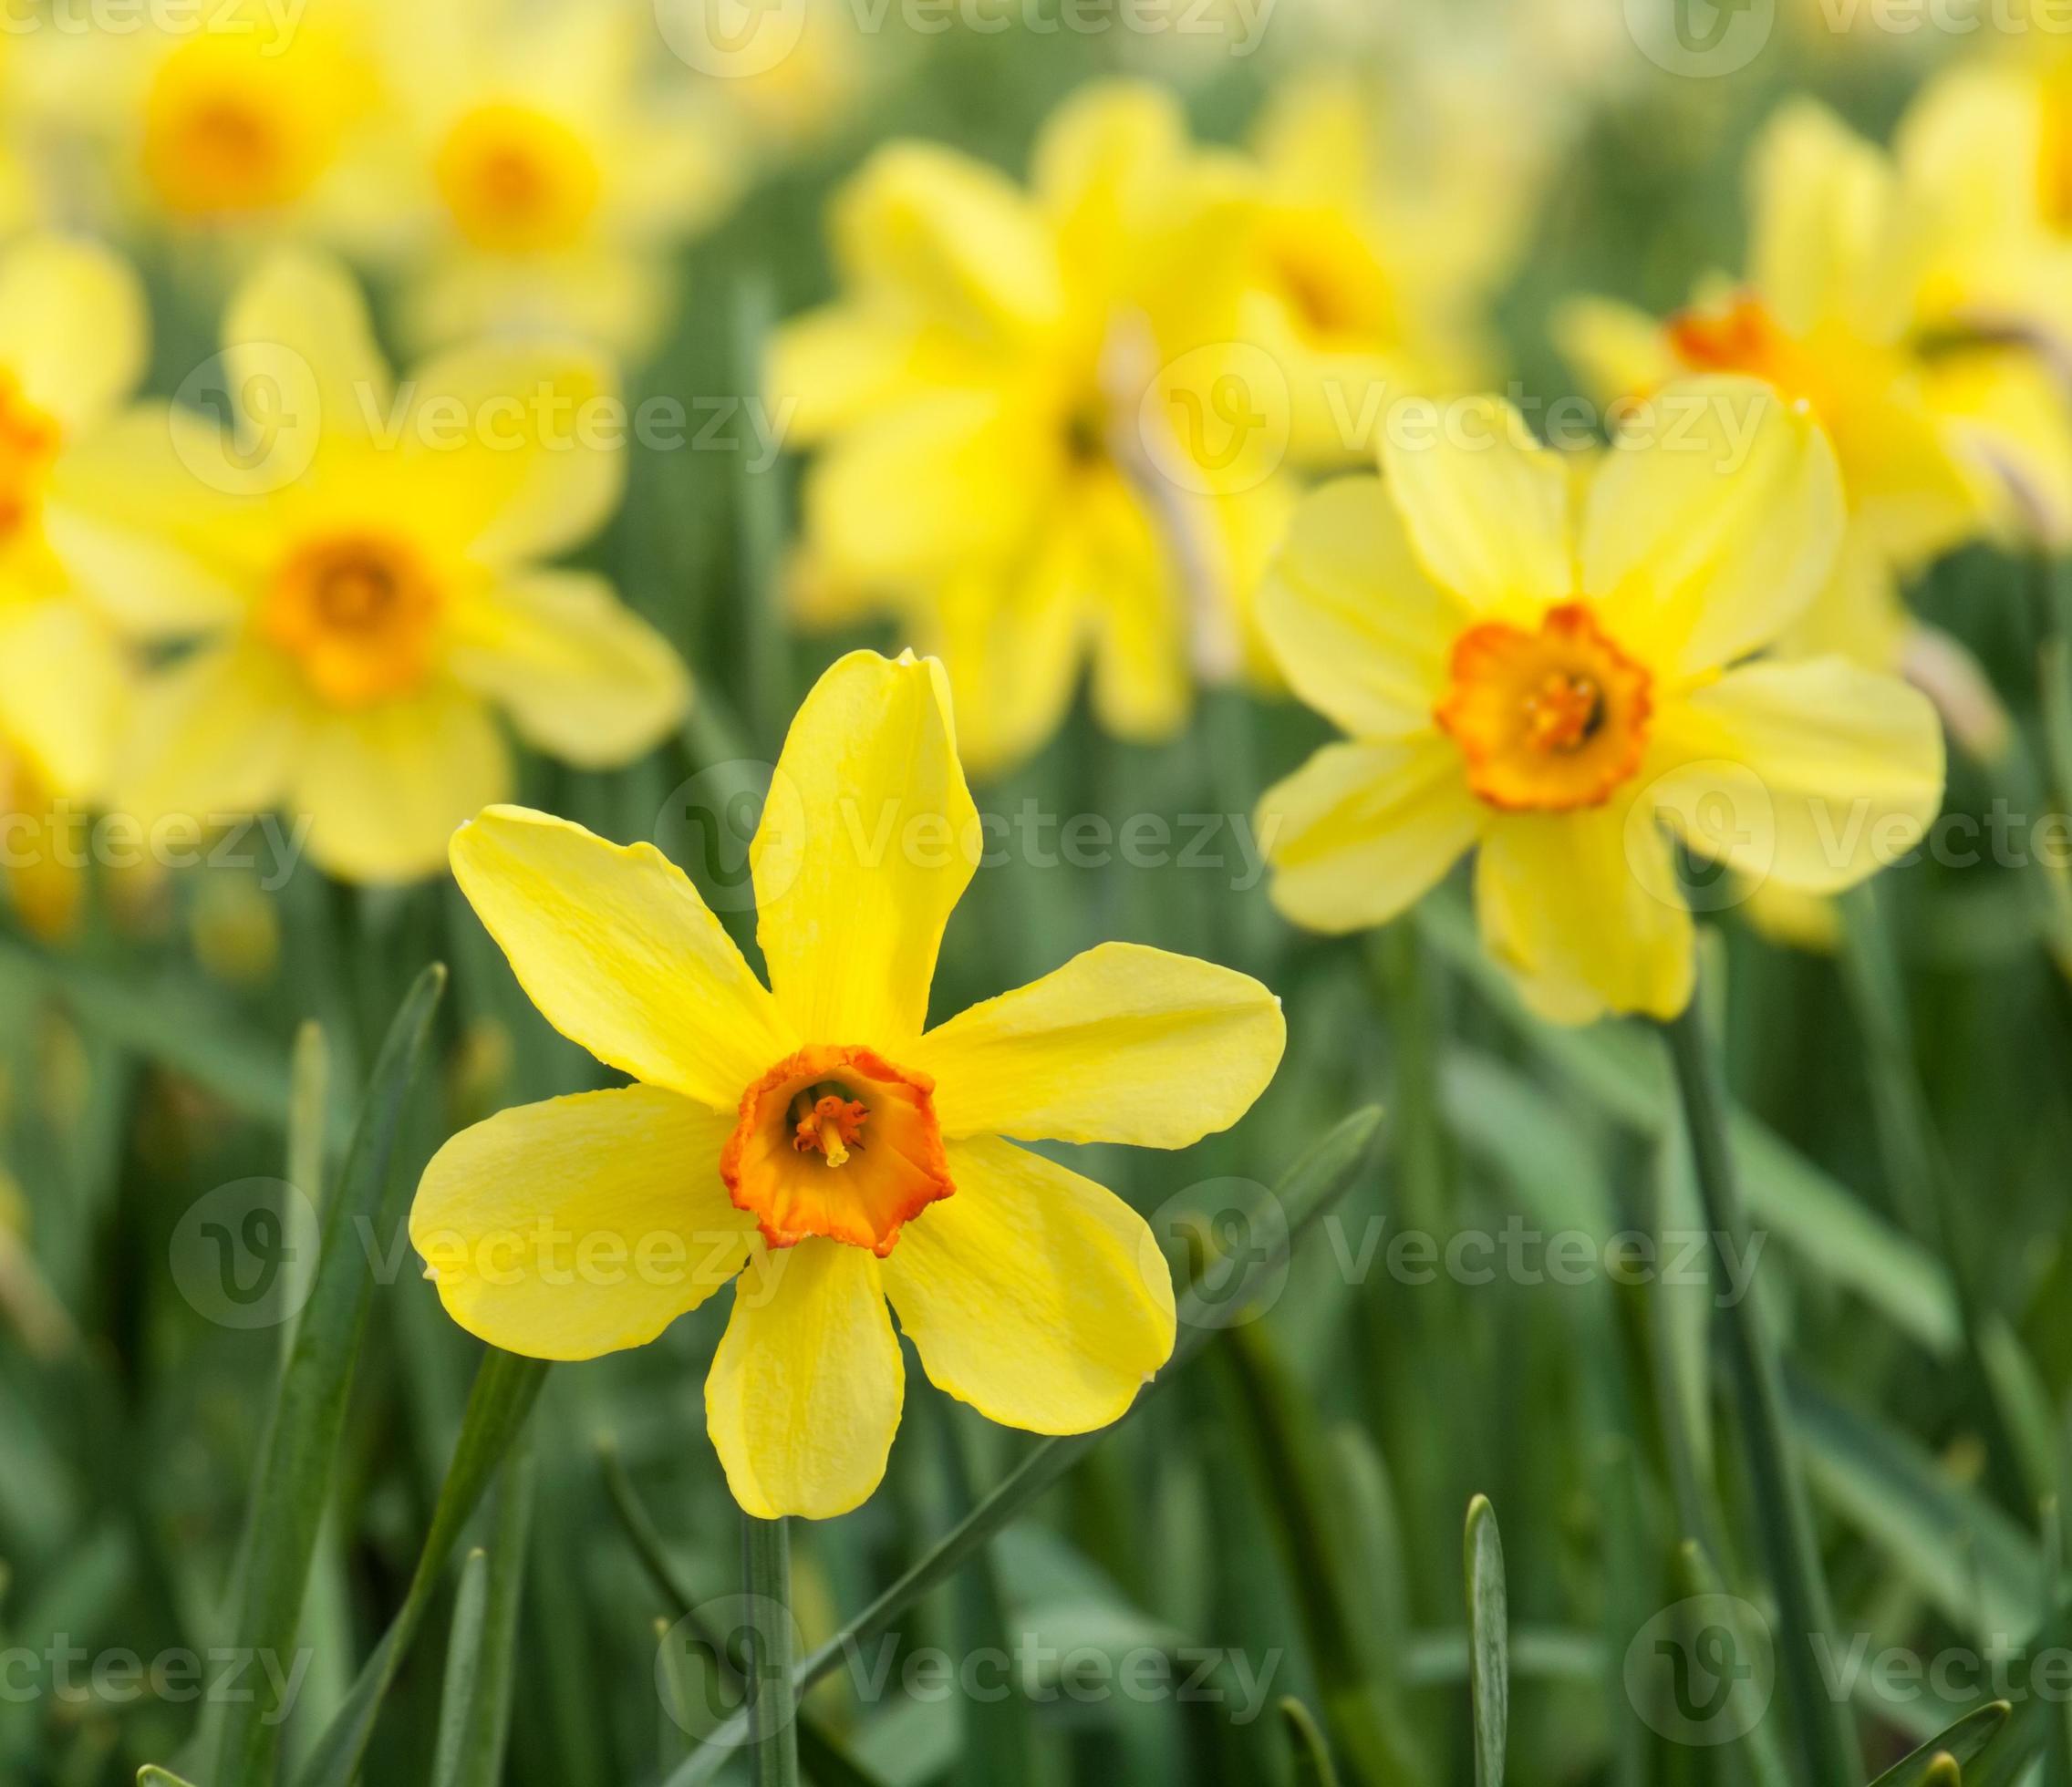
(2053, 701)
(1829, 1749)
(772, 1704)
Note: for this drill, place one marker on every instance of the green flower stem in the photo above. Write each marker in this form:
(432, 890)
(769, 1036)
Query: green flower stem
(1827, 1746)
(772, 1705)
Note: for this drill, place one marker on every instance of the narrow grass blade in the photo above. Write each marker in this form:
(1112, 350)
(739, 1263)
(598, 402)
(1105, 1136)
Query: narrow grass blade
(151, 1775)
(1825, 1732)
(1312, 1755)
(1324, 1174)
(1488, 1633)
(295, 1467)
(1958, 1745)
(475, 1712)
(505, 1389)
(463, 1661)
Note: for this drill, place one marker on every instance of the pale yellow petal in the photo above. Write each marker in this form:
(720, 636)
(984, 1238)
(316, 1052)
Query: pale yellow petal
(1616, 350)
(832, 367)
(1122, 1044)
(1362, 831)
(74, 329)
(217, 735)
(1815, 773)
(63, 685)
(1711, 525)
(1361, 632)
(301, 354)
(1822, 224)
(867, 840)
(582, 1225)
(581, 674)
(1484, 503)
(949, 239)
(805, 1391)
(614, 947)
(1584, 907)
(1036, 1295)
(385, 789)
(517, 449)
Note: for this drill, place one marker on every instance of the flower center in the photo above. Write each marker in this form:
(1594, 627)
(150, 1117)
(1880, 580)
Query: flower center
(358, 612)
(28, 443)
(517, 181)
(1745, 338)
(837, 1141)
(219, 141)
(1548, 720)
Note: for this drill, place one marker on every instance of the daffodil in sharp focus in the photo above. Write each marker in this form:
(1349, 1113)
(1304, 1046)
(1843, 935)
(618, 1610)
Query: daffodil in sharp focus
(818, 1143)
(1562, 682)
(352, 574)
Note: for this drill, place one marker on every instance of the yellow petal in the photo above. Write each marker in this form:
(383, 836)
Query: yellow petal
(1038, 1296)
(805, 1390)
(1821, 220)
(1122, 1044)
(832, 366)
(1815, 773)
(922, 490)
(1584, 908)
(614, 947)
(2008, 405)
(582, 1225)
(867, 840)
(301, 351)
(73, 327)
(62, 684)
(1012, 642)
(1485, 505)
(1711, 525)
(516, 450)
(1362, 831)
(581, 674)
(1362, 632)
(951, 240)
(1132, 597)
(220, 732)
(1616, 350)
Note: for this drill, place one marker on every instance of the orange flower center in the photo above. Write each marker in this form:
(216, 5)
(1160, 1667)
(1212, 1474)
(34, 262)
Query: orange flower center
(517, 181)
(358, 612)
(1548, 720)
(1746, 338)
(837, 1141)
(218, 143)
(28, 443)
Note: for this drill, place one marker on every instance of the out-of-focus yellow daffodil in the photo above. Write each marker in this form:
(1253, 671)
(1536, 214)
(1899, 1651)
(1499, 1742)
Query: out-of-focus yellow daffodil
(1551, 682)
(816, 1143)
(551, 175)
(357, 570)
(1846, 307)
(1374, 262)
(72, 345)
(1043, 444)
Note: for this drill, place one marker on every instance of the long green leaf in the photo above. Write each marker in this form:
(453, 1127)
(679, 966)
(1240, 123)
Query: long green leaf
(1313, 1766)
(464, 1663)
(1324, 1174)
(1958, 1745)
(505, 1389)
(475, 1713)
(1488, 1629)
(296, 1465)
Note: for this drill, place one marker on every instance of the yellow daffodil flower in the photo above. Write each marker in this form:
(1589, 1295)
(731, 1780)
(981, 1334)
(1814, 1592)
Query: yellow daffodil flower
(357, 568)
(550, 180)
(817, 1143)
(72, 345)
(1043, 444)
(1374, 263)
(1842, 308)
(1551, 681)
